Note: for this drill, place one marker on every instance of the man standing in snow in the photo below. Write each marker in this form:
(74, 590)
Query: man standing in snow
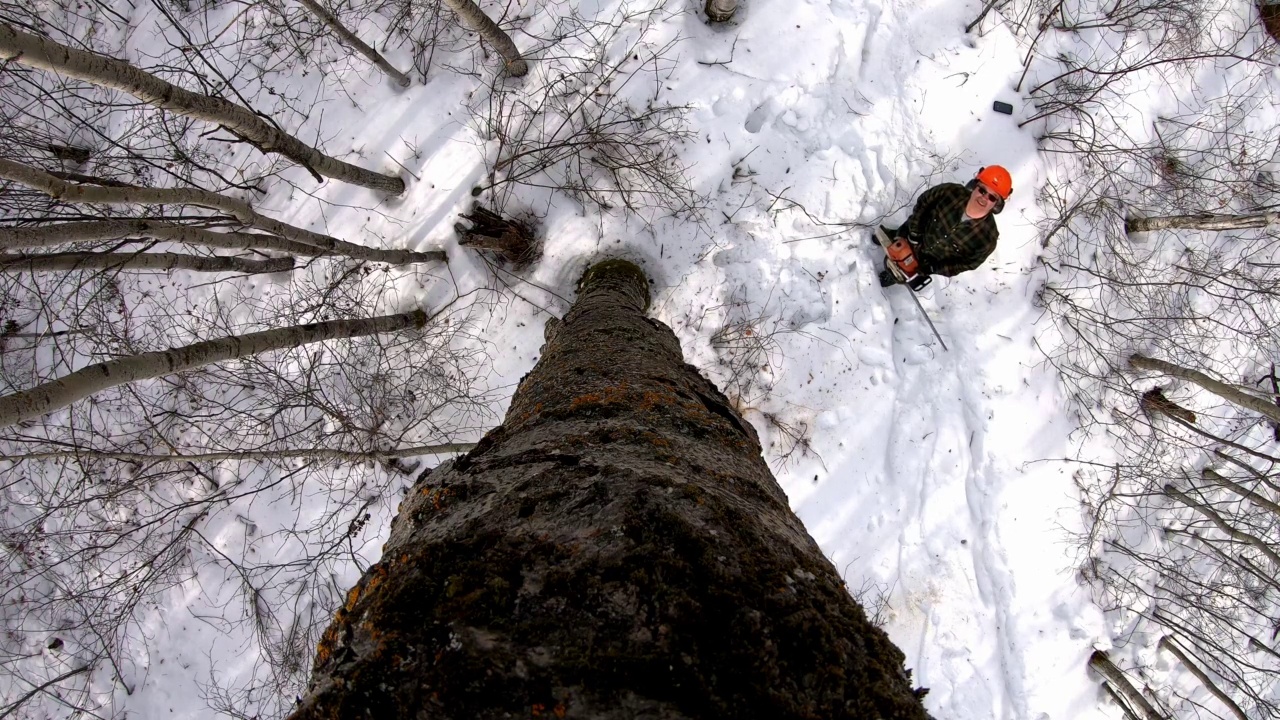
(952, 228)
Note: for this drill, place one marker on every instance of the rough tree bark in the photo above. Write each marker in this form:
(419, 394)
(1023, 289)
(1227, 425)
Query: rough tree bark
(333, 23)
(1203, 221)
(720, 10)
(617, 548)
(1245, 400)
(82, 383)
(59, 262)
(45, 54)
(238, 209)
(473, 17)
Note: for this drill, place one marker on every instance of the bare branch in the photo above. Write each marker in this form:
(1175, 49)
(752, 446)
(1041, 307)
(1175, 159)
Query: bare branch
(48, 55)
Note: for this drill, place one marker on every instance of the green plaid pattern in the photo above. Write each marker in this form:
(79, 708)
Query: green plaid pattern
(945, 244)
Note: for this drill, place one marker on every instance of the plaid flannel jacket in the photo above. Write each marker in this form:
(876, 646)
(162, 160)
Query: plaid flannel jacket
(945, 245)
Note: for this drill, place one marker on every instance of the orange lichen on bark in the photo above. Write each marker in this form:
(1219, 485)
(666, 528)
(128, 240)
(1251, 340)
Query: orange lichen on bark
(644, 400)
(436, 495)
(377, 574)
(525, 416)
(327, 641)
(608, 396)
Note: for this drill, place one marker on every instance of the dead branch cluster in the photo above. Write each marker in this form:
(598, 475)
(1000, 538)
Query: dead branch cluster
(592, 123)
(1162, 286)
(109, 505)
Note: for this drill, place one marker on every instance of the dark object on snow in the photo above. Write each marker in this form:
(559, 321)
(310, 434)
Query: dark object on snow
(721, 10)
(70, 153)
(513, 241)
(1155, 403)
(1002, 108)
(616, 549)
(1269, 11)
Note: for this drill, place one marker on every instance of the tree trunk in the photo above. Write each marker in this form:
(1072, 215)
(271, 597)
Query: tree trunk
(1212, 516)
(333, 23)
(1269, 13)
(1228, 392)
(1251, 470)
(616, 549)
(1221, 480)
(473, 17)
(1167, 643)
(240, 210)
(84, 382)
(1115, 696)
(1202, 221)
(720, 10)
(46, 54)
(282, 454)
(42, 236)
(58, 262)
(1107, 669)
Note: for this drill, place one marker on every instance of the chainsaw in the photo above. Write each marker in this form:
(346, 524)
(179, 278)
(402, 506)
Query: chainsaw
(904, 266)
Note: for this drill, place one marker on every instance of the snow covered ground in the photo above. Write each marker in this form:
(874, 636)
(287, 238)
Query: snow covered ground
(921, 475)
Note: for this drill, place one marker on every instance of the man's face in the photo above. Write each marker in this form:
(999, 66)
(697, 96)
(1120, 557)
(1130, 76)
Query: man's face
(981, 201)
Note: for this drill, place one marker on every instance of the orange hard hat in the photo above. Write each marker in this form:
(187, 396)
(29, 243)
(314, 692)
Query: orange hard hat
(996, 178)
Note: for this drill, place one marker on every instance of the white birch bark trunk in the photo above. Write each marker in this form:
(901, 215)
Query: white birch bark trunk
(1203, 221)
(1212, 516)
(351, 39)
(1168, 644)
(84, 382)
(43, 236)
(62, 262)
(1221, 480)
(45, 54)
(1107, 669)
(240, 210)
(473, 17)
(1248, 401)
